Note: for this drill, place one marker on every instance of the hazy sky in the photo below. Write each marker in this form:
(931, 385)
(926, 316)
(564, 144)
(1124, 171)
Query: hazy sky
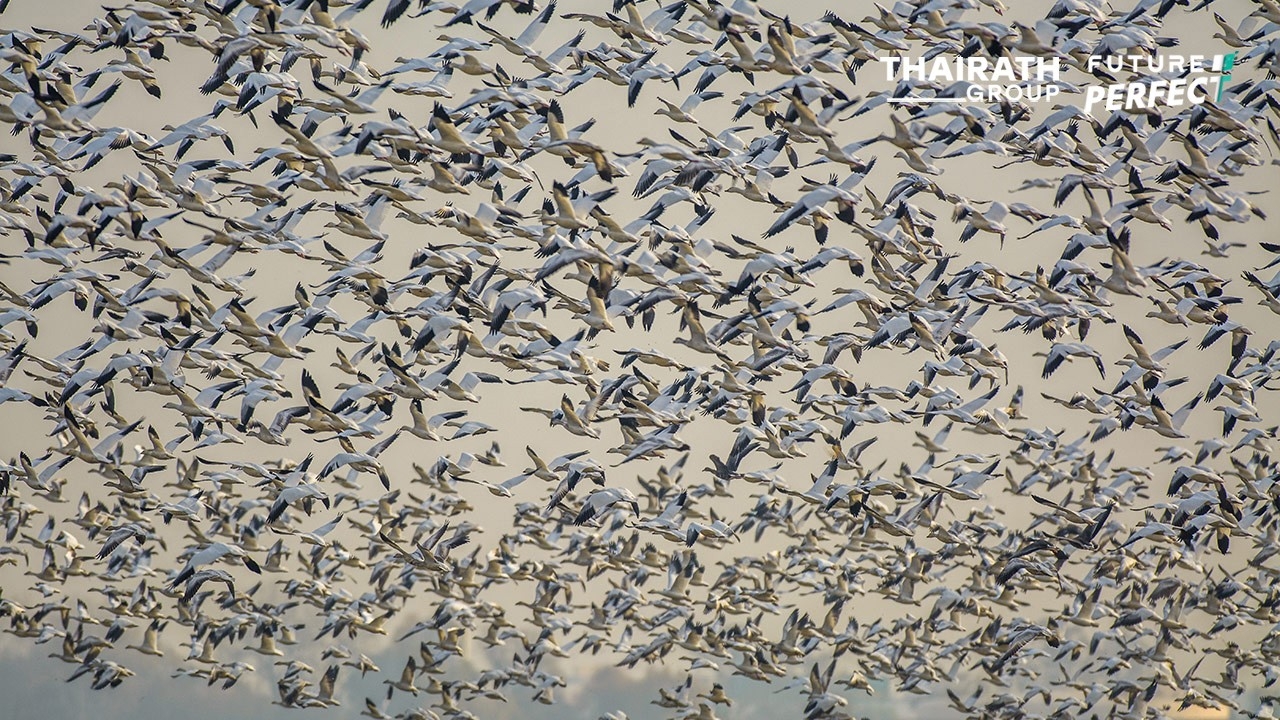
(34, 684)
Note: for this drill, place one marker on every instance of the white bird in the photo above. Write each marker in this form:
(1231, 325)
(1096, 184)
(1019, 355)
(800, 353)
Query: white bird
(199, 578)
(600, 501)
(433, 552)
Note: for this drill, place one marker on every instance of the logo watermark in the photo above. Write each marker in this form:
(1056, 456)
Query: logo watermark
(1025, 78)
(1164, 80)
(1196, 79)
(1223, 68)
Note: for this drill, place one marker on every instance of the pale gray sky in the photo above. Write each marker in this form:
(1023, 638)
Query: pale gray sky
(33, 684)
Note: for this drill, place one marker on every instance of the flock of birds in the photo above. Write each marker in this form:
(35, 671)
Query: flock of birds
(748, 476)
